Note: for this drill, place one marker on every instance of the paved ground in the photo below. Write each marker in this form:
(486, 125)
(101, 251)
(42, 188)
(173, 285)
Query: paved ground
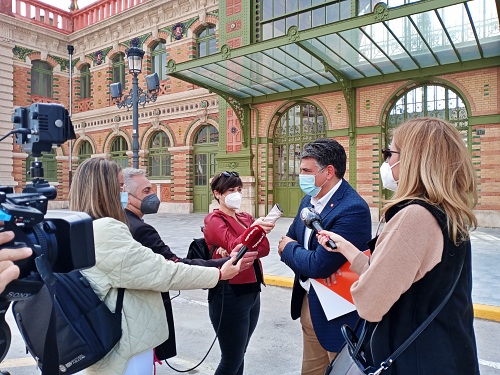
(177, 230)
(276, 346)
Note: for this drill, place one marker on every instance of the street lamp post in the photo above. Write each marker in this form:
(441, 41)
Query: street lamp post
(71, 49)
(136, 95)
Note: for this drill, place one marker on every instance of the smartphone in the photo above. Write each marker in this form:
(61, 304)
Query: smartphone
(274, 214)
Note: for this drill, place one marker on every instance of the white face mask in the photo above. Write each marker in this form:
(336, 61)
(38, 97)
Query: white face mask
(387, 177)
(233, 200)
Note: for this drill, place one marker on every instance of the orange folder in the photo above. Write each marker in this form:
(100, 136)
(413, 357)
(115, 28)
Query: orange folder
(344, 282)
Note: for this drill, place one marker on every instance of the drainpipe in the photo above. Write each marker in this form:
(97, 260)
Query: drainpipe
(257, 120)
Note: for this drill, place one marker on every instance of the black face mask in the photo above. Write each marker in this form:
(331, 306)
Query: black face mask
(150, 204)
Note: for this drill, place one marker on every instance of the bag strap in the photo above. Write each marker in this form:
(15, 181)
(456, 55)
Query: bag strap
(51, 350)
(390, 360)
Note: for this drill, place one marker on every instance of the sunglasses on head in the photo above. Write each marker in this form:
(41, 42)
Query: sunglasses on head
(388, 153)
(229, 174)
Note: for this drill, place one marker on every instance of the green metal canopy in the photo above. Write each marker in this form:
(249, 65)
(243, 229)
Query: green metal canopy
(431, 37)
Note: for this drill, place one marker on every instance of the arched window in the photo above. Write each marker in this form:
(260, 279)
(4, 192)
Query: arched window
(119, 69)
(205, 41)
(85, 82)
(41, 79)
(208, 134)
(429, 101)
(159, 157)
(299, 125)
(159, 60)
(84, 152)
(119, 152)
(49, 164)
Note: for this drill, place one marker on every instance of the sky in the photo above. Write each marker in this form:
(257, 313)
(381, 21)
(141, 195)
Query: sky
(64, 4)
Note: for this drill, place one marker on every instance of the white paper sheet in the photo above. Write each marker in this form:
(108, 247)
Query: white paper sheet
(333, 304)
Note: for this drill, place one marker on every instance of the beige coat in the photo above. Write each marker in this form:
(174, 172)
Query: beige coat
(123, 262)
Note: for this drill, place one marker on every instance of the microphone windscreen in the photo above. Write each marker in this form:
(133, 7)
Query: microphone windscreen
(253, 236)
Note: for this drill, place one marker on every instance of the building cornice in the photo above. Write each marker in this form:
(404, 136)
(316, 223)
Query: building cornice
(167, 108)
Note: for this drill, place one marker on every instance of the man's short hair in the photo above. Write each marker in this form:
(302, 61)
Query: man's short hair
(327, 152)
(130, 186)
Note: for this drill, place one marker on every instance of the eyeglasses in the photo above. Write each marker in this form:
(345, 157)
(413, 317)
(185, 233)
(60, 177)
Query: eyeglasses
(229, 174)
(388, 153)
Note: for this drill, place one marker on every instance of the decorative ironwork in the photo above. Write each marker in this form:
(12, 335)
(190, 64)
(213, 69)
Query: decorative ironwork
(171, 66)
(143, 97)
(293, 33)
(237, 108)
(429, 101)
(350, 98)
(225, 51)
(380, 11)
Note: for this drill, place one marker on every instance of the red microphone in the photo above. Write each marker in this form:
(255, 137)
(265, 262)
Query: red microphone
(252, 237)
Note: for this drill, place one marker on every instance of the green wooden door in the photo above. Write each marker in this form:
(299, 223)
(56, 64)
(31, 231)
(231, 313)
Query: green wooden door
(206, 147)
(300, 124)
(204, 170)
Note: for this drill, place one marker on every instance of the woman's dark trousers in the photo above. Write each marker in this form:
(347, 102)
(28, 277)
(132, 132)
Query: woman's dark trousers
(240, 314)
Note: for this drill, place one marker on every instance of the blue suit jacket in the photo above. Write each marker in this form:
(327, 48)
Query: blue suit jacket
(348, 215)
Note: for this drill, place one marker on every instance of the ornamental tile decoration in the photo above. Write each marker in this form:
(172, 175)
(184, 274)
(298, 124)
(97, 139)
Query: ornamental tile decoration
(20, 53)
(74, 62)
(99, 56)
(63, 63)
(180, 29)
(380, 11)
(139, 39)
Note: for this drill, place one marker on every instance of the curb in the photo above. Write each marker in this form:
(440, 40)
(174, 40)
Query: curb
(480, 311)
(487, 312)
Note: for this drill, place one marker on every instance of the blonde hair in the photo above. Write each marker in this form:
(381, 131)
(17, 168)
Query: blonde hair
(435, 167)
(95, 189)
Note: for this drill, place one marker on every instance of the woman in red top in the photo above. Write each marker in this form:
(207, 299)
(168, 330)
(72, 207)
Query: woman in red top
(239, 300)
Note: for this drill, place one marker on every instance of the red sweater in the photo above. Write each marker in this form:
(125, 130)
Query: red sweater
(224, 231)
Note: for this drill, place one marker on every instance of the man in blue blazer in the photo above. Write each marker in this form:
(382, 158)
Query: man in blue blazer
(343, 211)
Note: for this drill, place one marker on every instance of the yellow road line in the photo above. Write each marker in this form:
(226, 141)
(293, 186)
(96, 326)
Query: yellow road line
(18, 362)
(480, 311)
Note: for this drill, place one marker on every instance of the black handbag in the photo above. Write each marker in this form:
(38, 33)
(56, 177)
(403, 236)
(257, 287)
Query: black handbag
(350, 361)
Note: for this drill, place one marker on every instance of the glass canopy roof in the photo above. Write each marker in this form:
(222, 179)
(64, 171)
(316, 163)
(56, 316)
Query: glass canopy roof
(411, 37)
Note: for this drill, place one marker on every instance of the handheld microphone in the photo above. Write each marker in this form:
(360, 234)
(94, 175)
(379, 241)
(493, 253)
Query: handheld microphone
(252, 237)
(312, 220)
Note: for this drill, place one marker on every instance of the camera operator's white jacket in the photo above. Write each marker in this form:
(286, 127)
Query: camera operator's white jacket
(122, 262)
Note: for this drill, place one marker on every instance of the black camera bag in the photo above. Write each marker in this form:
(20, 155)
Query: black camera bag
(65, 326)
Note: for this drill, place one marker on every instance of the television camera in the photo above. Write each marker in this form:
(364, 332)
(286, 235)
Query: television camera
(64, 237)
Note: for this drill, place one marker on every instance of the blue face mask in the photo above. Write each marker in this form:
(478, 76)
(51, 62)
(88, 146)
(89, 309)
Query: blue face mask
(124, 198)
(307, 184)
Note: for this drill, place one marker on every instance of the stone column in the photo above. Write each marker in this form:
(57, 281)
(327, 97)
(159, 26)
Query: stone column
(6, 110)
